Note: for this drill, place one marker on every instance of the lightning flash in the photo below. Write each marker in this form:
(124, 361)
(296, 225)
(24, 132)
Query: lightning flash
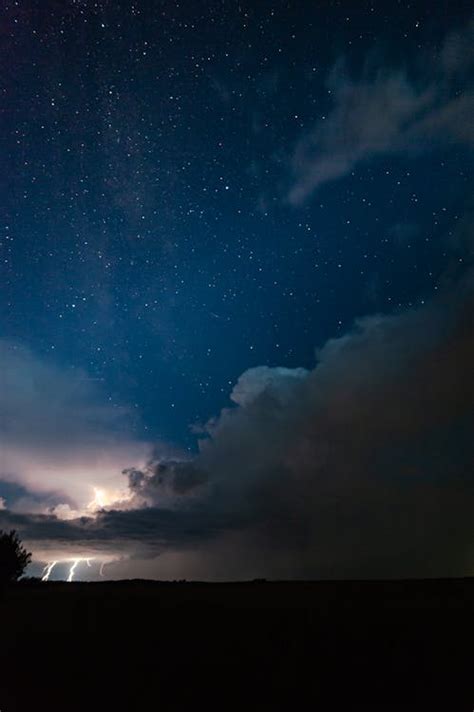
(47, 570)
(74, 566)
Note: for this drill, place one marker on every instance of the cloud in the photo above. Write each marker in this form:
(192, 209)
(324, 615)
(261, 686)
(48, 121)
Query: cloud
(361, 466)
(278, 381)
(387, 111)
(45, 404)
(60, 437)
(164, 481)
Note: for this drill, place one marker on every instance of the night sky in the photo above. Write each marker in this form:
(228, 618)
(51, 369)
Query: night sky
(274, 195)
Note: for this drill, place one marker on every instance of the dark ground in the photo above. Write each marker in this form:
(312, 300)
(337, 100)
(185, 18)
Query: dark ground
(186, 646)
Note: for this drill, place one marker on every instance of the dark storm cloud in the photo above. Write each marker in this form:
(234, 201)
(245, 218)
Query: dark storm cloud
(387, 111)
(146, 532)
(360, 467)
(365, 465)
(160, 478)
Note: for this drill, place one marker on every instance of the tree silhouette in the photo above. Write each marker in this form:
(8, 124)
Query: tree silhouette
(14, 558)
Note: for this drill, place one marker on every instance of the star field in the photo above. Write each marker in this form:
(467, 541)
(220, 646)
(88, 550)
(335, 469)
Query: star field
(148, 233)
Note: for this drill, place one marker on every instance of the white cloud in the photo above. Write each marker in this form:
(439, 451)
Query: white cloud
(277, 381)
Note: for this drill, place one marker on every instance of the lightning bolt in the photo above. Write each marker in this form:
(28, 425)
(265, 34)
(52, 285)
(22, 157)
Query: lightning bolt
(74, 566)
(72, 569)
(47, 570)
(46, 573)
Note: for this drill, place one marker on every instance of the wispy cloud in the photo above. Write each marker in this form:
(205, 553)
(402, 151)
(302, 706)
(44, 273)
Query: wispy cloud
(387, 111)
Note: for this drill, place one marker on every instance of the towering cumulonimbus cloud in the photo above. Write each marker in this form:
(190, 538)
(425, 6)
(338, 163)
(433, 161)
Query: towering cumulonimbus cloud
(361, 466)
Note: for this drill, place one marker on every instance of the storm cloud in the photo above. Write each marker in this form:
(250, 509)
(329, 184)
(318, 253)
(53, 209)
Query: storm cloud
(361, 466)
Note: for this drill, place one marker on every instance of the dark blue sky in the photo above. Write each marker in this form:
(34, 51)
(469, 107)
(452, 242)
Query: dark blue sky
(146, 231)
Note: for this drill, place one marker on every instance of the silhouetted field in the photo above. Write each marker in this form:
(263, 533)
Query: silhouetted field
(141, 645)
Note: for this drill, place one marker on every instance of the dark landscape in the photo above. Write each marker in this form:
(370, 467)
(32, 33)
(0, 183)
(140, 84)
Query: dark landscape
(253, 645)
